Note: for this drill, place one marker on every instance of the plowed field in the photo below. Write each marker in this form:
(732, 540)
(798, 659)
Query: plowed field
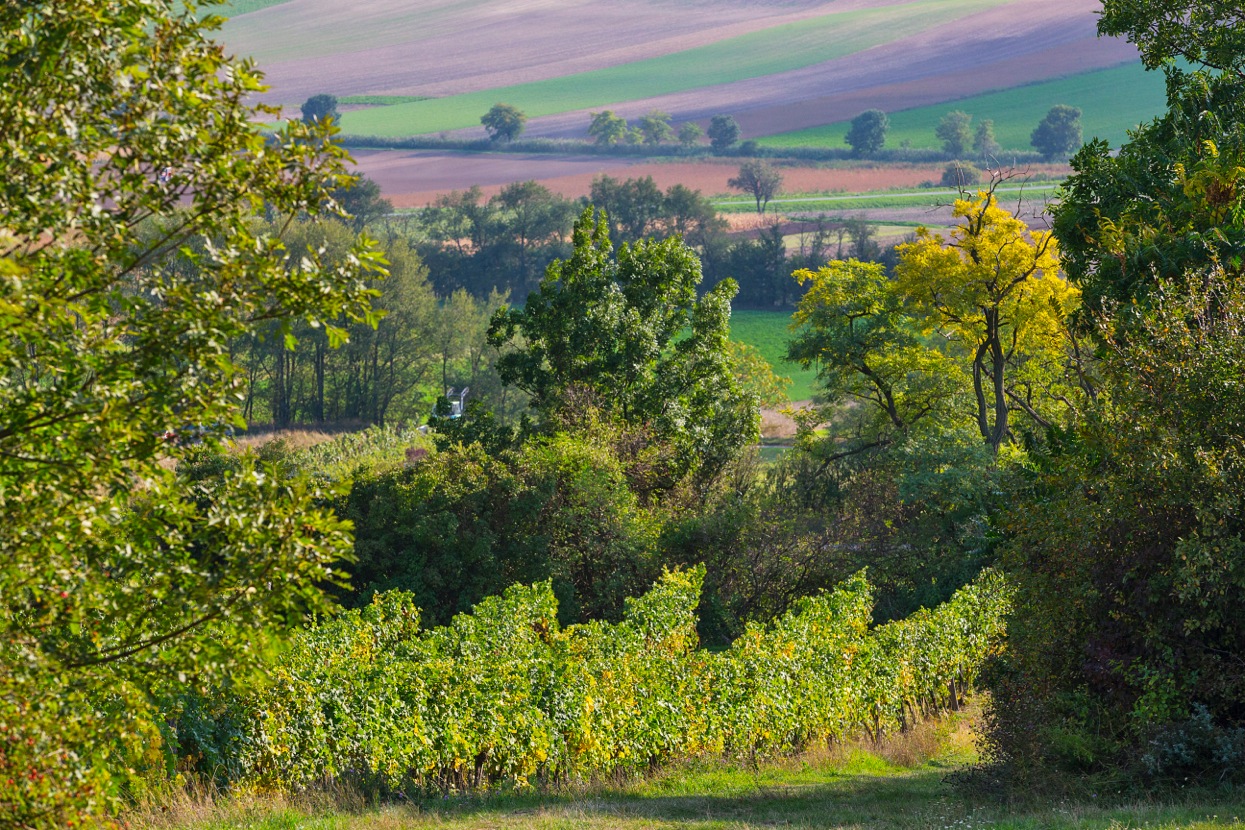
(416, 178)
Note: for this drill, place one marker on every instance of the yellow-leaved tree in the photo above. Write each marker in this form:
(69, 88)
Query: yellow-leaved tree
(995, 294)
(970, 330)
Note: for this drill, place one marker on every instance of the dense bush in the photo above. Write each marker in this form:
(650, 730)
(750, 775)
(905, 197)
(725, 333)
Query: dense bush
(462, 524)
(505, 697)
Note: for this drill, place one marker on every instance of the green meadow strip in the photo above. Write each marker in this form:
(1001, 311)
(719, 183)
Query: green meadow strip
(1112, 102)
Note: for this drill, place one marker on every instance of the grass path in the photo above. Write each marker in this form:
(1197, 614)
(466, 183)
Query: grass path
(904, 784)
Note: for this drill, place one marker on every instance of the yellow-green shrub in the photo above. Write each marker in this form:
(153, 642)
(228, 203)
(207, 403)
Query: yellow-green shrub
(505, 697)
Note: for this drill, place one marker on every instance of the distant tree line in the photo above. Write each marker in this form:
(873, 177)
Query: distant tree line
(505, 242)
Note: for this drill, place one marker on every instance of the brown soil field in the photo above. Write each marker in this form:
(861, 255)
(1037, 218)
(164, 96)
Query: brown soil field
(1022, 42)
(445, 47)
(414, 178)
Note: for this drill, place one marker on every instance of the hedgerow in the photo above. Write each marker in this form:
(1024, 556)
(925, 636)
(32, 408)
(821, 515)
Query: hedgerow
(504, 697)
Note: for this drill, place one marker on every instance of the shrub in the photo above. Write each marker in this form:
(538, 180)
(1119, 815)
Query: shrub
(505, 697)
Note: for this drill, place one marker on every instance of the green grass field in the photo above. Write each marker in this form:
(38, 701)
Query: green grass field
(380, 100)
(233, 8)
(1112, 102)
(767, 332)
(1036, 191)
(777, 49)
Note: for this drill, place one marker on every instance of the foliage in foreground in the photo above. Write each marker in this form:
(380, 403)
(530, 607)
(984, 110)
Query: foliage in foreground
(505, 697)
(1127, 544)
(116, 115)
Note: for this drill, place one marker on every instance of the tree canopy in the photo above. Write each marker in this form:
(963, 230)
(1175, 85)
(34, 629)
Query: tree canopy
(627, 335)
(655, 127)
(1125, 539)
(1206, 32)
(760, 179)
(1059, 133)
(320, 107)
(503, 122)
(118, 578)
(971, 329)
(955, 131)
(868, 132)
(723, 132)
(607, 129)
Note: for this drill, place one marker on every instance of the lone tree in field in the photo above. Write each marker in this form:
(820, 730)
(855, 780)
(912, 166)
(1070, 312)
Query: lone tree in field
(320, 107)
(1059, 134)
(984, 143)
(955, 132)
(760, 179)
(690, 134)
(723, 132)
(868, 132)
(503, 122)
(655, 127)
(607, 128)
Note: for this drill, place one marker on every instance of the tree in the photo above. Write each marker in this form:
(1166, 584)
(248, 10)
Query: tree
(1125, 542)
(319, 108)
(760, 179)
(633, 208)
(984, 143)
(995, 289)
(868, 132)
(1118, 246)
(1059, 134)
(629, 337)
(503, 122)
(655, 127)
(960, 175)
(854, 328)
(607, 128)
(1205, 32)
(361, 200)
(955, 132)
(723, 132)
(120, 579)
(690, 134)
(756, 376)
(1126, 546)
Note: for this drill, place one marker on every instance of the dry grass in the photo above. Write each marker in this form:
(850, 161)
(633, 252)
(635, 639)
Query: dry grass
(296, 439)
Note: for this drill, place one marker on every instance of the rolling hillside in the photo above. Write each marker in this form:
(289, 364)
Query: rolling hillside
(779, 66)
